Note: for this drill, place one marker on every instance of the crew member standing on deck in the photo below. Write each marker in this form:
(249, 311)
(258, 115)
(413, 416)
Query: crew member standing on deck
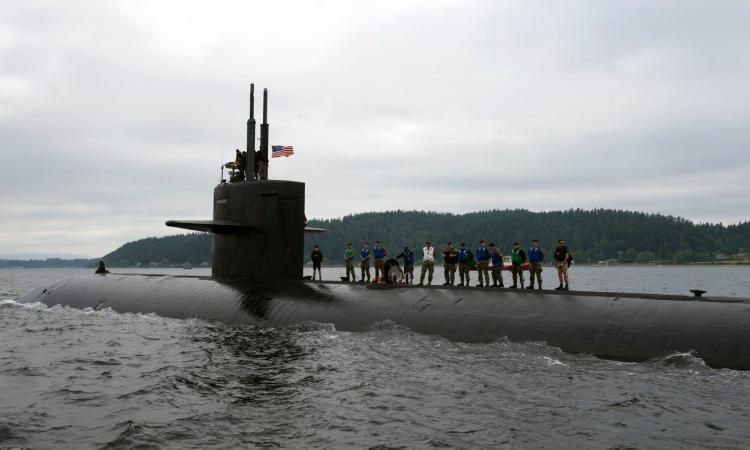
(408, 256)
(349, 261)
(428, 263)
(483, 264)
(497, 265)
(536, 256)
(450, 258)
(317, 258)
(562, 262)
(464, 267)
(364, 257)
(517, 258)
(379, 252)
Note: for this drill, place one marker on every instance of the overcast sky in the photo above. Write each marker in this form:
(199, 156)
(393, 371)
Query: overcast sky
(113, 114)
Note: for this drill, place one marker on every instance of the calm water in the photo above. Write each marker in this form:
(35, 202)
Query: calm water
(93, 379)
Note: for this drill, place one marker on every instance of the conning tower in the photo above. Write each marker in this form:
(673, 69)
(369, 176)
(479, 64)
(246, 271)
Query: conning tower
(258, 224)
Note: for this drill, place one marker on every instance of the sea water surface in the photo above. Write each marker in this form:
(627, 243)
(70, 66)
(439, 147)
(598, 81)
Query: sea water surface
(98, 379)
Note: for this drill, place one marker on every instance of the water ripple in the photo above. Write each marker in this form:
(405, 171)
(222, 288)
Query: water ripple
(99, 379)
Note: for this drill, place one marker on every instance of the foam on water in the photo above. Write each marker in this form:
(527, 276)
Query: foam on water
(97, 378)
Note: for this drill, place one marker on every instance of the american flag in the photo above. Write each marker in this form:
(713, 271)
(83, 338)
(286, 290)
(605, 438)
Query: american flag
(278, 151)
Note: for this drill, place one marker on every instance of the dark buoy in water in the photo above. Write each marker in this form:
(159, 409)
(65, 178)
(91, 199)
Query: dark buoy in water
(258, 229)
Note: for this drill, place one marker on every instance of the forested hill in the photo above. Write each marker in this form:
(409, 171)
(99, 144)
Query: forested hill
(592, 236)
(193, 248)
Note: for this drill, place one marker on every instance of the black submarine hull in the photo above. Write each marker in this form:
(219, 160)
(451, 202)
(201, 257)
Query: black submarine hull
(621, 326)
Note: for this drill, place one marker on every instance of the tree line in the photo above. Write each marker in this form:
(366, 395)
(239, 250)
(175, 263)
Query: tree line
(192, 248)
(592, 236)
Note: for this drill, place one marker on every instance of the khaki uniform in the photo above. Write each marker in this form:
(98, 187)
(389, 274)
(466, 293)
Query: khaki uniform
(428, 264)
(535, 271)
(561, 262)
(379, 268)
(349, 261)
(562, 271)
(497, 267)
(483, 269)
(365, 266)
(518, 257)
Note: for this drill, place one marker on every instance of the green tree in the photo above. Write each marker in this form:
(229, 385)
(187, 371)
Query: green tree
(630, 255)
(645, 257)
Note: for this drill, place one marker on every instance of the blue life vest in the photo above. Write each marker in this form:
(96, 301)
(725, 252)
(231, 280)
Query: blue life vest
(408, 257)
(378, 252)
(535, 254)
(364, 253)
(483, 254)
(497, 260)
(462, 254)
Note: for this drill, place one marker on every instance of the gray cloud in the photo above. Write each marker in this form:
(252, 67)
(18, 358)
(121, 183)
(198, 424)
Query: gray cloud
(113, 115)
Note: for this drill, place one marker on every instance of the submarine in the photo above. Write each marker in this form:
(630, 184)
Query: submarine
(258, 230)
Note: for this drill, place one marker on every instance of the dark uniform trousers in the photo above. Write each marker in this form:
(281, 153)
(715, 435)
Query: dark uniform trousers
(449, 271)
(463, 271)
(497, 275)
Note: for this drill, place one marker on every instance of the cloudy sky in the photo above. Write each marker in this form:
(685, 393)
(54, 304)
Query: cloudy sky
(113, 115)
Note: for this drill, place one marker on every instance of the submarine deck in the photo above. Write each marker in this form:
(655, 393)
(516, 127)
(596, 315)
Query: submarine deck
(385, 286)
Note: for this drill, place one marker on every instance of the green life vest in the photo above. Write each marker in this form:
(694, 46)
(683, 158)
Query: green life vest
(469, 259)
(516, 257)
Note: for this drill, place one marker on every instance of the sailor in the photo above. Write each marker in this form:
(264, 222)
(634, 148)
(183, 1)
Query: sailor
(497, 265)
(450, 260)
(517, 258)
(240, 163)
(317, 257)
(364, 258)
(379, 252)
(562, 262)
(100, 268)
(408, 256)
(349, 261)
(536, 256)
(483, 262)
(428, 263)
(464, 264)
(258, 160)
